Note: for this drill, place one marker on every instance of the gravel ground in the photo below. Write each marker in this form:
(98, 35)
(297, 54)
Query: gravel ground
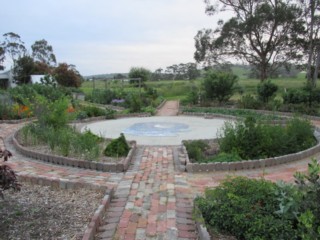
(39, 212)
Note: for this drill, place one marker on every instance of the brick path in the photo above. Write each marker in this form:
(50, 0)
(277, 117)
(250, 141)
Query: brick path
(170, 108)
(153, 199)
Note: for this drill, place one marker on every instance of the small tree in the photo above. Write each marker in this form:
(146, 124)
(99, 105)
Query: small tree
(139, 72)
(266, 91)
(67, 75)
(23, 68)
(219, 85)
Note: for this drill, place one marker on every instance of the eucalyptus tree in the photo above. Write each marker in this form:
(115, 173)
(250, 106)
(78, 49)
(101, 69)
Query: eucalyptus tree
(43, 52)
(264, 33)
(312, 41)
(13, 46)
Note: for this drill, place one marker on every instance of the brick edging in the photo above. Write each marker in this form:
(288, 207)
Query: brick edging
(96, 220)
(121, 166)
(17, 121)
(161, 104)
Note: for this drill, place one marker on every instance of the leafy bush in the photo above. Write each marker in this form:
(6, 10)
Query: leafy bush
(133, 102)
(219, 85)
(195, 149)
(269, 140)
(102, 96)
(6, 112)
(295, 96)
(93, 111)
(24, 94)
(259, 209)
(117, 147)
(244, 208)
(51, 113)
(266, 91)
(225, 157)
(307, 97)
(309, 187)
(249, 102)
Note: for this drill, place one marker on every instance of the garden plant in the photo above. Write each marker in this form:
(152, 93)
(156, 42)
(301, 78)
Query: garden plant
(260, 209)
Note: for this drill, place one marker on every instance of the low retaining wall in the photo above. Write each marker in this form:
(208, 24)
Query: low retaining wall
(16, 121)
(96, 220)
(121, 166)
(247, 164)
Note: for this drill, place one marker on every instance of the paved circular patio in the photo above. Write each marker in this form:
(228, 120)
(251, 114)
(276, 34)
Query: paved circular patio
(160, 130)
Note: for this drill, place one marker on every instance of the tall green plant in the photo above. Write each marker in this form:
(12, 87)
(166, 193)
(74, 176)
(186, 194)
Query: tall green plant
(219, 85)
(266, 90)
(53, 114)
(309, 186)
(253, 140)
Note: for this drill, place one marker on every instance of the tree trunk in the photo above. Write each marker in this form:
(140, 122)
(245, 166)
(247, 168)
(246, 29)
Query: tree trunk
(316, 68)
(311, 47)
(263, 73)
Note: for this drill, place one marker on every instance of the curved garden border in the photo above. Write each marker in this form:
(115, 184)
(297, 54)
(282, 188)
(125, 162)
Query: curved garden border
(121, 166)
(188, 166)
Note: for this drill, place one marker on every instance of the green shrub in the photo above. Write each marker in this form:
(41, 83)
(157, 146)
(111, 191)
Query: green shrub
(249, 102)
(133, 102)
(269, 140)
(93, 111)
(150, 110)
(51, 113)
(195, 150)
(87, 144)
(25, 93)
(226, 157)
(299, 135)
(259, 209)
(117, 147)
(102, 96)
(308, 97)
(219, 85)
(309, 186)
(244, 208)
(266, 91)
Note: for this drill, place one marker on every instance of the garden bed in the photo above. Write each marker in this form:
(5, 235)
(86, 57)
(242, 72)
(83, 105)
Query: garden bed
(190, 166)
(40, 212)
(42, 153)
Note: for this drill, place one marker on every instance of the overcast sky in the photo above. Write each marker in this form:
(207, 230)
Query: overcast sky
(110, 36)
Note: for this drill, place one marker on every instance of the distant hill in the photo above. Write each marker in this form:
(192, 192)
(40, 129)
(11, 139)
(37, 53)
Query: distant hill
(106, 76)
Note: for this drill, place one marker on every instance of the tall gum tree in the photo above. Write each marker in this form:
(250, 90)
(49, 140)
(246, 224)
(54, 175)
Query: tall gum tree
(13, 46)
(265, 33)
(43, 52)
(311, 10)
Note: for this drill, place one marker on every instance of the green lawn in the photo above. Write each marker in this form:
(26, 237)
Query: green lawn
(179, 89)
